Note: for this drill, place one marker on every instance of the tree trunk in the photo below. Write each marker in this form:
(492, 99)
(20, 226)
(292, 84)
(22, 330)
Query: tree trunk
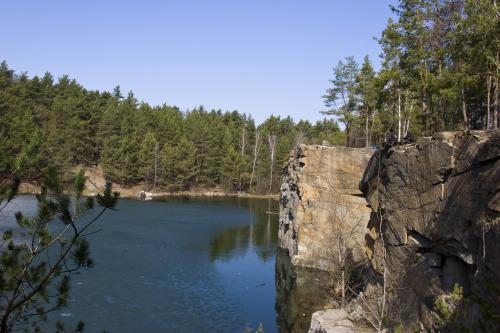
(496, 102)
(243, 144)
(488, 102)
(271, 178)
(367, 130)
(256, 149)
(424, 115)
(347, 134)
(243, 141)
(408, 116)
(272, 149)
(424, 96)
(156, 165)
(372, 125)
(399, 115)
(464, 109)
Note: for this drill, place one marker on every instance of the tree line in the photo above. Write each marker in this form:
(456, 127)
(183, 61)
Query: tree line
(161, 147)
(440, 71)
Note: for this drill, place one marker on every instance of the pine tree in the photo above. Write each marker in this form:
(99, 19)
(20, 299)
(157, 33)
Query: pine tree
(367, 95)
(148, 157)
(35, 274)
(340, 98)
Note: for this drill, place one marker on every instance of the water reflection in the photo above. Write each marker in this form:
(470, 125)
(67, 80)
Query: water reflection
(261, 234)
(300, 292)
(190, 266)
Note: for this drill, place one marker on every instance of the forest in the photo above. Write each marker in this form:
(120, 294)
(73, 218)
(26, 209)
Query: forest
(133, 142)
(440, 70)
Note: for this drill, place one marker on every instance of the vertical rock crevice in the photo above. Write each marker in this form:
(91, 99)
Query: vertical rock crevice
(434, 204)
(433, 199)
(320, 192)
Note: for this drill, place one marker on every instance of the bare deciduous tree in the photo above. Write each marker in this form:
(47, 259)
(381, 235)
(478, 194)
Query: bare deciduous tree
(341, 243)
(243, 141)
(271, 140)
(256, 150)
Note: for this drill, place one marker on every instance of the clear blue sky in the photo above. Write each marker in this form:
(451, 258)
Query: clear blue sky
(260, 57)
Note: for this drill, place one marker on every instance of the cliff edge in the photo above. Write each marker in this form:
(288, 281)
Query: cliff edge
(320, 195)
(436, 212)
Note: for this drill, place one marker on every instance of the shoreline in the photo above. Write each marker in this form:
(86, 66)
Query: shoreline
(159, 195)
(29, 188)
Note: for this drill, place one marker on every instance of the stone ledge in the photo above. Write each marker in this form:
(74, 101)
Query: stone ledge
(335, 321)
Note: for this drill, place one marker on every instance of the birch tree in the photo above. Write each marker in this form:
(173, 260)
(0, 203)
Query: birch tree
(256, 149)
(271, 141)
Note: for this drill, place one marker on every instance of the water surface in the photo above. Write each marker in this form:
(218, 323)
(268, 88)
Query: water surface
(178, 266)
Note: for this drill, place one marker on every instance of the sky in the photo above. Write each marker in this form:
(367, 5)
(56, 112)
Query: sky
(260, 57)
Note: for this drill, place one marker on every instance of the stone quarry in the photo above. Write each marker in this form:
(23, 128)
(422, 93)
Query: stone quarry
(319, 195)
(424, 215)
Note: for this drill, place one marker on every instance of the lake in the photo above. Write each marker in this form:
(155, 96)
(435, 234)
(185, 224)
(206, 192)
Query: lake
(194, 265)
(188, 265)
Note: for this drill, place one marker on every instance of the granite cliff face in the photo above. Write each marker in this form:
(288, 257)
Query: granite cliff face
(319, 195)
(431, 224)
(436, 208)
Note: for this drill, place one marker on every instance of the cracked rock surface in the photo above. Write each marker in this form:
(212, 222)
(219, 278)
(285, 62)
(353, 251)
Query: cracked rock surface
(436, 207)
(321, 188)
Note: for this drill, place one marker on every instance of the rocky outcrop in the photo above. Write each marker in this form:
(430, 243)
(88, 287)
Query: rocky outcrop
(436, 212)
(335, 321)
(319, 196)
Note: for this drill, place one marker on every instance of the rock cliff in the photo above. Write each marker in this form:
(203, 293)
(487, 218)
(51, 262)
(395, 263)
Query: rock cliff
(429, 228)
(436, 211)
(320, 195)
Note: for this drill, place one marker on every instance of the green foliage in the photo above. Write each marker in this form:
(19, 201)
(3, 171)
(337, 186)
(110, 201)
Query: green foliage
(446, 306)
(11, 170)
(341, 97)
(36, 262)
(440, 71)
(148, 159)
(398, 329)
(181, 164)
(133, 142)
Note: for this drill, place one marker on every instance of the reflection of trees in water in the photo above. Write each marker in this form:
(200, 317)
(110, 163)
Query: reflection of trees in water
(261, 234)
(300, 291)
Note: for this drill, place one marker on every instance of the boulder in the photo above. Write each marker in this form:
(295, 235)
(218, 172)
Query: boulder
(335, 321)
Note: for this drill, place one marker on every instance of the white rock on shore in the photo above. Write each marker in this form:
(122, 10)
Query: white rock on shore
(334, 321)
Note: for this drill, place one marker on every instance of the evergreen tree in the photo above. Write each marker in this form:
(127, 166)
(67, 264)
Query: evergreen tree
(83, 128)
(35, 274)
(367, 94)
(148, 157)
(340, 98)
